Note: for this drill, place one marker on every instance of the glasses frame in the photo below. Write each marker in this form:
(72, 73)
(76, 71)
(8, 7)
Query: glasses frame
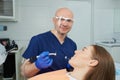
(69, 20)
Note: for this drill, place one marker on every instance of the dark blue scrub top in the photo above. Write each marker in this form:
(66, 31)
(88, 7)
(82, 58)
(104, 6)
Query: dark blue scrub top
(48, 42)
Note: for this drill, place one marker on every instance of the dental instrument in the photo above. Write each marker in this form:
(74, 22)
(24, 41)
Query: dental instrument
(32, 59)
(50, 54)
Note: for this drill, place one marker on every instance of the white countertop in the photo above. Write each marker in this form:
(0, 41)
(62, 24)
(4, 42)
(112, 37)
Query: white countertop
(117, 44)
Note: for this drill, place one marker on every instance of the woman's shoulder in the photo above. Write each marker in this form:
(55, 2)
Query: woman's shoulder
(54, 75)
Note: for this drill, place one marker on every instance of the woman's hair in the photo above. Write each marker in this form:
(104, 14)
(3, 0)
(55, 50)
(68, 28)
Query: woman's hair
(105, 69)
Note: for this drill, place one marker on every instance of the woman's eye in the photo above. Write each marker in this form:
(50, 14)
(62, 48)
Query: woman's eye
(83, 49)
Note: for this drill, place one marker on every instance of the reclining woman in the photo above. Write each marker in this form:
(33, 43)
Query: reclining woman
(91, 63)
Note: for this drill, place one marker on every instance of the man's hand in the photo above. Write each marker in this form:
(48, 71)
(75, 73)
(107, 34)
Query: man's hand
(43, 61)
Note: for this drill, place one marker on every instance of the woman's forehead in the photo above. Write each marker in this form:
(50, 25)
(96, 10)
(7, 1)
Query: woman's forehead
(89, 47)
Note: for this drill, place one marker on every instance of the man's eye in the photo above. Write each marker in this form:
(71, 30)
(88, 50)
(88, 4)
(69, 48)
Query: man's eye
(69, 20)
(62, 19)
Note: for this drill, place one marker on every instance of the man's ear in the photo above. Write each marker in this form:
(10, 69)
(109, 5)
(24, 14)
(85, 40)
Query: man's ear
(93, 62)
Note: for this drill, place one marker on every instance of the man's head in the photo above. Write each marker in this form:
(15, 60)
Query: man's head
(63, 20)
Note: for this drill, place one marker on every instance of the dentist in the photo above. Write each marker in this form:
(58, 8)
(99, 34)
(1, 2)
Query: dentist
(53, 41)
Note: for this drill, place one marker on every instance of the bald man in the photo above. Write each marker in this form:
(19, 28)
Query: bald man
(38, 58)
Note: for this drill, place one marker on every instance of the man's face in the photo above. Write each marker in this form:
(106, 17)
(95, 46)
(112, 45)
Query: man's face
(63, 22)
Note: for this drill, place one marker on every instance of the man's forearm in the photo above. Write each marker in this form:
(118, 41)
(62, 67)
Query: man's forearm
(28, 69)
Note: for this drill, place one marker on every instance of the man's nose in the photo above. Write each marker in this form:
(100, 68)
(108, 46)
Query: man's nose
(65, 23)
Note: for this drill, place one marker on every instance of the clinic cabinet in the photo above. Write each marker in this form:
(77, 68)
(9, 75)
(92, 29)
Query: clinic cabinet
(18, 62)
(7, 10)
(114, 51)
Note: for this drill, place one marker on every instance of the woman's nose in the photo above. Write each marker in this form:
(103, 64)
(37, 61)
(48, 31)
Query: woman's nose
(77, 51)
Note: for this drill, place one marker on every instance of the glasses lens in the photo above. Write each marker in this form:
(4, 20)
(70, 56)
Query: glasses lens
(69, 20)
(65, 19)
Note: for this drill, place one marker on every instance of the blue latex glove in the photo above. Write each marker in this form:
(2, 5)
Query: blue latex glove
(43, 61)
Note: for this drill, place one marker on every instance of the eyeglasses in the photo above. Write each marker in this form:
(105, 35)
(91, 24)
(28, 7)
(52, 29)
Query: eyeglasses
(69, 20)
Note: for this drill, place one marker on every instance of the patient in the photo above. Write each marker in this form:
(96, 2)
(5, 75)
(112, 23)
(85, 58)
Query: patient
(91, 63)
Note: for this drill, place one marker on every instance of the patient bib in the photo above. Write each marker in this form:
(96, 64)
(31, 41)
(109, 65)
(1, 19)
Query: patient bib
(70, 77)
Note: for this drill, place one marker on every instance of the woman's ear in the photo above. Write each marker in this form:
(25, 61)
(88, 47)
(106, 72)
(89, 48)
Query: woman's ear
(93, 62)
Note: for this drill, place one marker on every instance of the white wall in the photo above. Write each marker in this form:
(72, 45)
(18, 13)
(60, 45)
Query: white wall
(81, 31)
(103, 19)
(35, 16)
